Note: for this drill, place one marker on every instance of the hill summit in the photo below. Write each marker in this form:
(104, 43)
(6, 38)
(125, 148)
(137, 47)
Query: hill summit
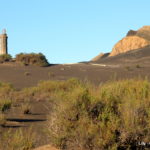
(133, 40)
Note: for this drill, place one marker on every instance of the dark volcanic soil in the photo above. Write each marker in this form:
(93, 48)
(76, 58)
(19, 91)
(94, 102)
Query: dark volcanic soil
(26, 76)
(138, 56)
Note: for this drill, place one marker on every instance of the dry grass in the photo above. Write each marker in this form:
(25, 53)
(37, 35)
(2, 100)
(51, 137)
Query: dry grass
(115, 115)
(17, 140)
(26, 108)
(2, 119)
(5, 104)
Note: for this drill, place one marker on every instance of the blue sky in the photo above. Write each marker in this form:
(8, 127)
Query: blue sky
(69, 31)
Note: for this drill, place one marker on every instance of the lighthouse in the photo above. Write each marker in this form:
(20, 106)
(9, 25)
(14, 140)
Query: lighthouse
(3, 42)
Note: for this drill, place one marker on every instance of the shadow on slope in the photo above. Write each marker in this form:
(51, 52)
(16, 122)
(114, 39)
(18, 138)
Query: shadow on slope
(141, 55)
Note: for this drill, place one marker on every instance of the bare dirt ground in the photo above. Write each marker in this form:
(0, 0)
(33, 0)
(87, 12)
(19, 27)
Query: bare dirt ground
(36, 120)
(27, 76)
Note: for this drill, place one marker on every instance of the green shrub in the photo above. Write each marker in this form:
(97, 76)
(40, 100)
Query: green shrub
(138, 66)
(27, 73)
(115, 115)
(5, 58)
(32, 59)
(5, 104)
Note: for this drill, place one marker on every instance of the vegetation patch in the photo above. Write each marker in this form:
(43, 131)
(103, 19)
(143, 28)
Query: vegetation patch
(114, 115)
(5, 58)
(138, 66)
(27, 74)
(32, 59)
(26, 108)
(17, 140)
(5, 104)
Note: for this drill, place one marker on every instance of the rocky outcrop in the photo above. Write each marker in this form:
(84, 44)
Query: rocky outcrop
(129, 43)
(100, 56)
(133, 40)
(131, 33)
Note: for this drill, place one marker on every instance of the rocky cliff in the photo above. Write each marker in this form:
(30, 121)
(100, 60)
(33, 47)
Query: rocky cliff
(134, 40)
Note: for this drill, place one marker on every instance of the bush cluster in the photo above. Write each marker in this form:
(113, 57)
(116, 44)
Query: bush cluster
(115, 115)
(32, 59)
(5, 58)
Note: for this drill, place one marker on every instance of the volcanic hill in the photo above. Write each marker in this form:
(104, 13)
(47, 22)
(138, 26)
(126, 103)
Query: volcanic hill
(132, 41)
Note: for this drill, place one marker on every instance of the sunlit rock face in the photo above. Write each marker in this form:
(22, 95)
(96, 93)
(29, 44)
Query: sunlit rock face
(133, 40)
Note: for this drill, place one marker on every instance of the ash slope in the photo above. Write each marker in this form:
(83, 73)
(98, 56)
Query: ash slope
(139, 56)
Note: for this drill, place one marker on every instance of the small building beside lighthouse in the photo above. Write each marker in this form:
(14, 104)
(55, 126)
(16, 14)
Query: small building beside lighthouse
(3, 42)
